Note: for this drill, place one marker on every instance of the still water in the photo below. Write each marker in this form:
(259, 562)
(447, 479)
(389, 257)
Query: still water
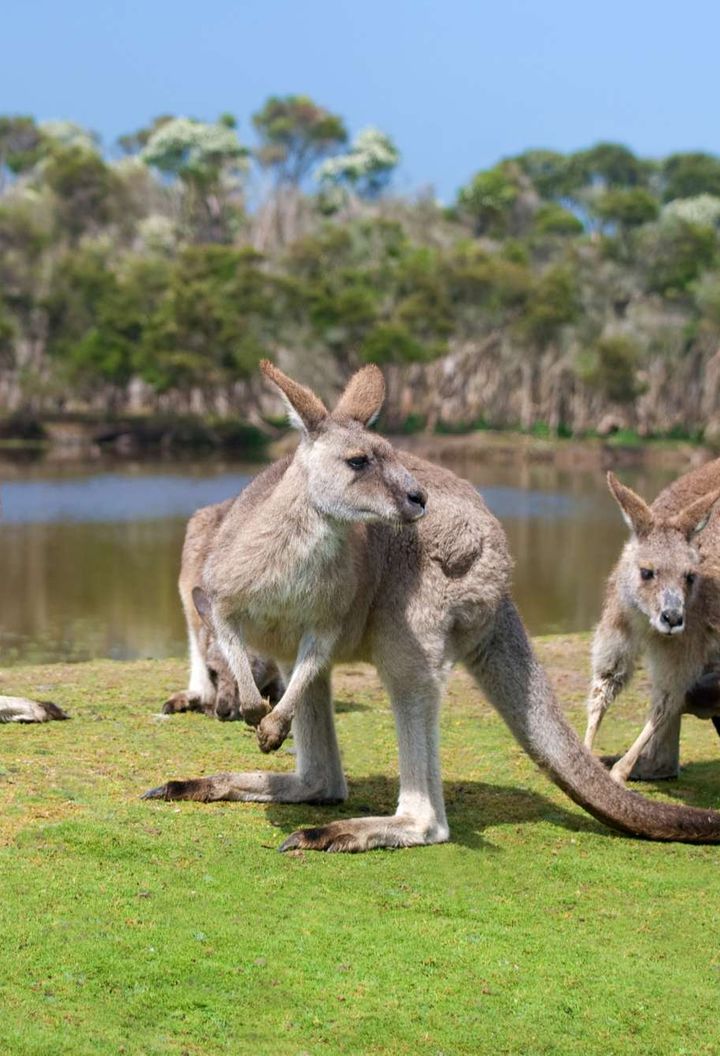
(89, 554)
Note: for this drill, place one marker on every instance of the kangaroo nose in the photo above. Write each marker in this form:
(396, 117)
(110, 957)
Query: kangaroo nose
(418, 497)
(224, 709)
(672, 617)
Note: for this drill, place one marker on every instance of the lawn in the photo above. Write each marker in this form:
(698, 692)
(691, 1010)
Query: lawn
(165, 929)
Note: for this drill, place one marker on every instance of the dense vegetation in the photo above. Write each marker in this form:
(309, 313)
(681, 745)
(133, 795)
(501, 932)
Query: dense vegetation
(154, 275)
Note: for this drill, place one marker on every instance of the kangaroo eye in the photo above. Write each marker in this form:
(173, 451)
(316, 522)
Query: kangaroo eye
(646, 573)
(690, 578)
(359, 462)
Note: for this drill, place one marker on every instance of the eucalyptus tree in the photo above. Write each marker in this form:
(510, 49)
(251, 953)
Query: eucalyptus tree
(366, 169)
(209, 161)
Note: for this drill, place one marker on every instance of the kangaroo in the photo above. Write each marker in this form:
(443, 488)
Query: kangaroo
(20, 709)
(212, 687)
(662, 600)
(349, 550)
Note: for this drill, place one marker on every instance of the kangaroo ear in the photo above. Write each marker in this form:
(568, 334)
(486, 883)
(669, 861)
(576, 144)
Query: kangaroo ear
(306, 411)
(363, 397)
(694, 518)
(636, 512)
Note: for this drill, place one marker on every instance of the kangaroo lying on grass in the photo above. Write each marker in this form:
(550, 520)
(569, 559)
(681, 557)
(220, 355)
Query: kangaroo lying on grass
(212, 688)
(663, 600)
(348, 551)
(20, 709)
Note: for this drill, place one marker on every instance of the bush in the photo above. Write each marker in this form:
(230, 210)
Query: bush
(611, 368)
(677, 253)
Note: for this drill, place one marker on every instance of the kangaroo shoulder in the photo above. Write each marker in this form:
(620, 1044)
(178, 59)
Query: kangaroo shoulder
(458, 530)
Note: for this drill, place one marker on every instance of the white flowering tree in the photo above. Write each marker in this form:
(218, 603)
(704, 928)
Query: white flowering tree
(207, 158)
(366, 168)
(702, 209)
(70, 136)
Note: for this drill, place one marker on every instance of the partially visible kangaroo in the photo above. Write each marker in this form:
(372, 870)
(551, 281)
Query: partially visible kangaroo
(663, 600)
(349, 551)
(212, 688)
(20, 709)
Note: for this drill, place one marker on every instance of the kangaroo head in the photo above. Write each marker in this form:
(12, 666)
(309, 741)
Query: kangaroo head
(352, 473)
(659, 566)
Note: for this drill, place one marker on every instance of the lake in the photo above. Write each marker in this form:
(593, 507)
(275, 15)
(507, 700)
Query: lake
(89, 554)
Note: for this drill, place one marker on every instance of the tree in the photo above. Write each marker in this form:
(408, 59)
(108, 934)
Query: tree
(687, 175)
(366, 168)
(69, 135)
(20, 146)
(676, 254)
(295, 134)
(135, 142)
(488, 199)
(553, 219)
(626, 207)
(208, 159)
(86, 189)
(214, 324)
(703, 209)
(609, 165)
(553, 302)
(550, 172)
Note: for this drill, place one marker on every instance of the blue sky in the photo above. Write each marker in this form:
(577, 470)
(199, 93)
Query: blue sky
(458, 83)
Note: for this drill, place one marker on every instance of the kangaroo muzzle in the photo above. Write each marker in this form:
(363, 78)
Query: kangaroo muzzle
(413, 500)
(672, 614)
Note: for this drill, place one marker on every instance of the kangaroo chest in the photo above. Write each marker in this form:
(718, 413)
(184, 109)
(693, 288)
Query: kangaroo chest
(299, 588)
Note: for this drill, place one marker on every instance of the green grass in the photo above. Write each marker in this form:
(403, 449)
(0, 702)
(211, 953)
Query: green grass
(150, 929)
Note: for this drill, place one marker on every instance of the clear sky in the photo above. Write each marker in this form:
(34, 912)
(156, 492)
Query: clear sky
(458, 83)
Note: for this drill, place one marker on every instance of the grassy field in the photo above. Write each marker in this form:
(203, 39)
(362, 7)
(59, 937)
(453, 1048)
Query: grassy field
(160, 929)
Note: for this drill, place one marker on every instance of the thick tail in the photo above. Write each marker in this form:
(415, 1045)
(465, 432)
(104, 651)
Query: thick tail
(509, 673)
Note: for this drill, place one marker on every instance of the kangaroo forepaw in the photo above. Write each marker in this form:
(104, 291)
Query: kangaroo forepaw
(272, 731)
(254, 713)
(181, 702)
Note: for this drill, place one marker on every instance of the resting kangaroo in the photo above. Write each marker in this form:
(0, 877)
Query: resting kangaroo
(212, 688)
(663, 599)
(20, 709)
(349, 551)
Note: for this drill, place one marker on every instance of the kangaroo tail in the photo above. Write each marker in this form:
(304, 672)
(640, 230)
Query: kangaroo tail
(510, 675)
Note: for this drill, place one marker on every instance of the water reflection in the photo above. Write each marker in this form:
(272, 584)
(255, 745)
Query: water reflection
(89, 555)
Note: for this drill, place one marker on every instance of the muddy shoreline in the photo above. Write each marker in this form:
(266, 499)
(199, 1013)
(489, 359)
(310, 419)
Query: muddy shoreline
(87, 439)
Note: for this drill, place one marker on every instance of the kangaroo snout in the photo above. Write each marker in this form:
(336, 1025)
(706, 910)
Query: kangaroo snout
(415, 502)
(673, 620)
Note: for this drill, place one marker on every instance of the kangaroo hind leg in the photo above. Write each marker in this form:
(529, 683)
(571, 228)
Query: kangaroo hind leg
(420, 815)
(318, 776)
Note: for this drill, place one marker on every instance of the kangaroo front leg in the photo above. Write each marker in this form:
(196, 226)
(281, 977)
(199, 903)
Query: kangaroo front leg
(318, 776)
(313, 657)
(252, 706)
(660, 716)
(613, 662)
(420, 816)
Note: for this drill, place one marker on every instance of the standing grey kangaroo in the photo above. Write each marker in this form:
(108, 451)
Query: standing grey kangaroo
(663, 600)
(350, 551)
